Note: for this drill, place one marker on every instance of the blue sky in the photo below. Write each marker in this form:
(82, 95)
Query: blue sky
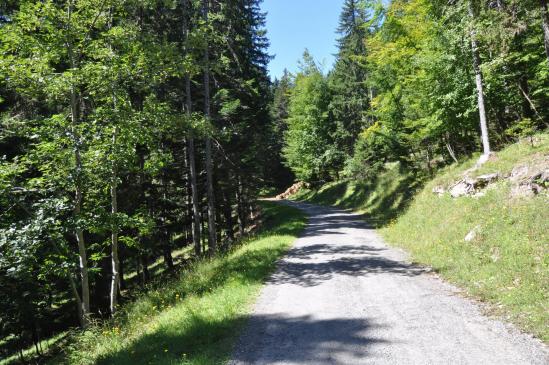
(294, 25)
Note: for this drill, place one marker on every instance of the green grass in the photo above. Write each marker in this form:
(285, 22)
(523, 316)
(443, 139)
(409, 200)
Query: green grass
(29, 353)
(507, 264)
(503, 161)
(158, 267)
(380, 199)
(196, 318)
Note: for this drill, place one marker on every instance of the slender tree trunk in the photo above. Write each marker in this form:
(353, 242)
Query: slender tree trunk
(138, 269)
(545, 17)
(240, 208)
(142, 268)
(21, 357)
(115, 264)
(82, 256)
(251, 210)
(121, 272)
(195, 221)
(480, 87)
(204, 240)
(449, 147)
(78, 299)
(189, 221)
(36, 337)
(218, 220)
(212, 245)
(145, 267)
(79, 232)
(167, 253)
(166, 237)
(228, 213)
(72, 282)
(193, 174)
(527, 109)
(429, 167)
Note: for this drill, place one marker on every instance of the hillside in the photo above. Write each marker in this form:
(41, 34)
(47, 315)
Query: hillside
(192, 317)
(138, 138)
(493, 243)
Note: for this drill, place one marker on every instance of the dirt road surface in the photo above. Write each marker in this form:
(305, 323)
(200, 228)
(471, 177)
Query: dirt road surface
(341, 296)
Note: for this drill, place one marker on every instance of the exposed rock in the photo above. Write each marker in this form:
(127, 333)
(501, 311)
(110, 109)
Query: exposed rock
(528, 179)
(541, 178)
(439, 190)
(461, 188)
(483, 180)
(472, 234)
(473, 186)
(479, 194)
(529, 183)
(519, 172)
(522, 190)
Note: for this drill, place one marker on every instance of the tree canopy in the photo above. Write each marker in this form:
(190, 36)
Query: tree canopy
(422, 82)
(139, 133)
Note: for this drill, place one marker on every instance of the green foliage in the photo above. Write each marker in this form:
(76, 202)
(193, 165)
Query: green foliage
(370, 145)
(403, 85)
(507, 262)
(523, 128)
(381, 197)
(101, 99)
(194, 318)
(281, 175)
(93, 105)
(348, 79)
(309, 149)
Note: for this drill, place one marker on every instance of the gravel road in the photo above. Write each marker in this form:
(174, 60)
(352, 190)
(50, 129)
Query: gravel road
(341, 296)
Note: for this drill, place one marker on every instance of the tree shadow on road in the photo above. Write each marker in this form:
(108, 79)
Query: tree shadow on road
(312, 263)
(382, 198)
(268, 339)
(334, 223)
(308, 273)
(201, 338)
(305, 339)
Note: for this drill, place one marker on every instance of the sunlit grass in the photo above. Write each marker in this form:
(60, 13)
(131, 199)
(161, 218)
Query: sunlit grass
(507, 264)
(196, 318)
(159, 265)
(381, 199)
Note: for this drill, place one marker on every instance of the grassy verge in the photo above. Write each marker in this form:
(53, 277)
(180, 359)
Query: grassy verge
(29, 354)
(51, 345)
(196, 318)
(381, 199)
(506, 264)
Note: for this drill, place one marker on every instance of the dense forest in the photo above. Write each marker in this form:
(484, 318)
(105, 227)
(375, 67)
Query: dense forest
(132, 129)
(129, 129)
(421, 82)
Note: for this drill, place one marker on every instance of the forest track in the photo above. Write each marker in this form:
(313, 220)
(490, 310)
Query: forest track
(341, 296)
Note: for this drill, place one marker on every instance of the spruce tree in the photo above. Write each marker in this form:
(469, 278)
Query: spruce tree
(348, 79)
